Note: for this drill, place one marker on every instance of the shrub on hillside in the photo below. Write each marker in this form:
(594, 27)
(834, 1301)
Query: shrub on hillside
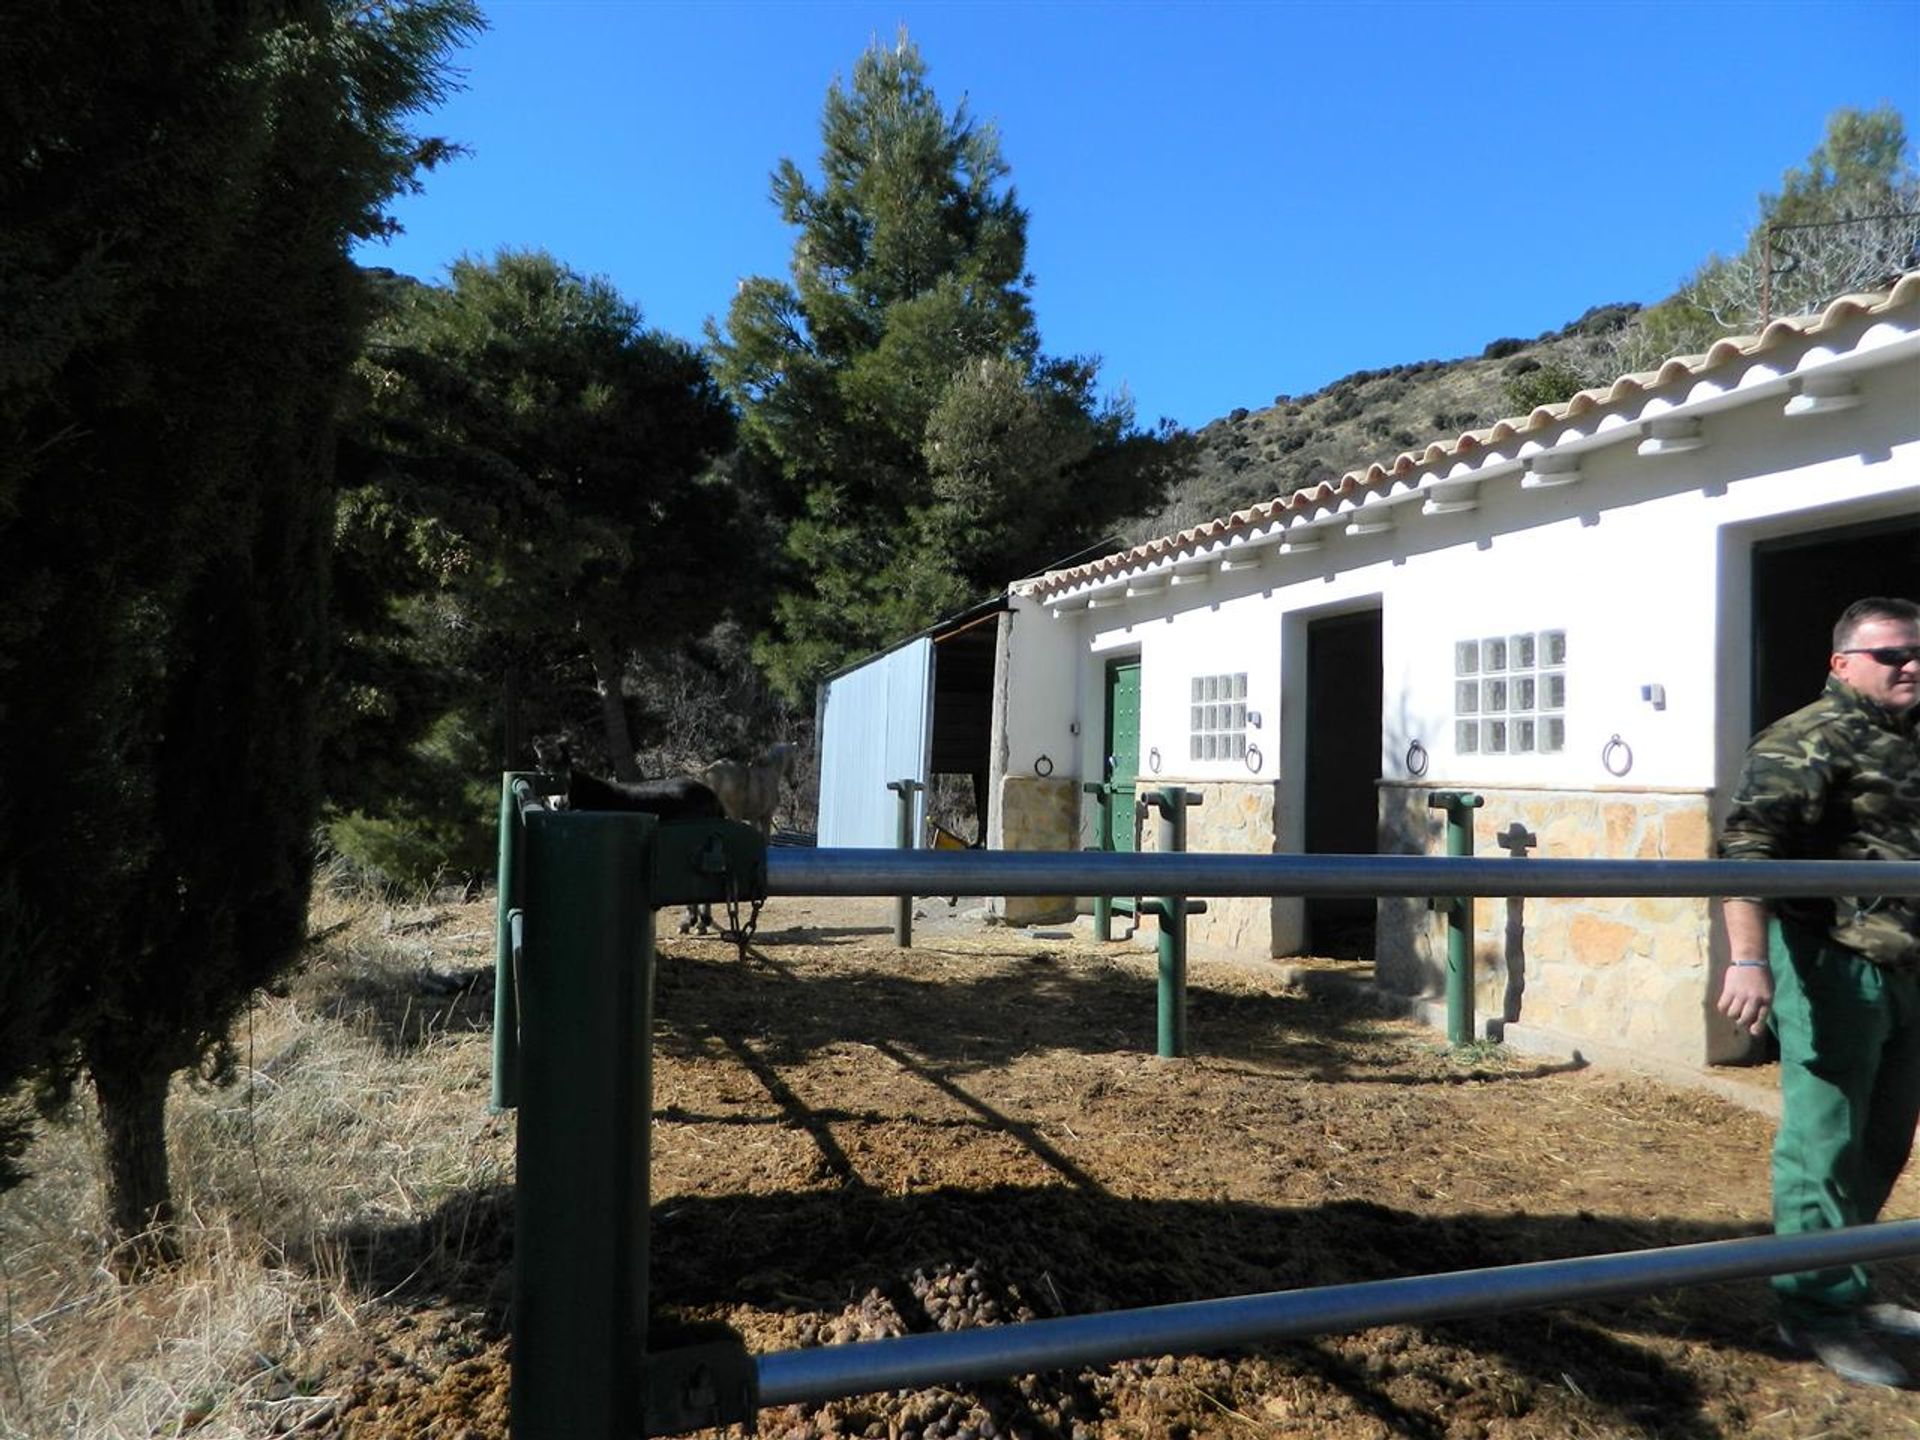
(1550, 384)
(1603, 319)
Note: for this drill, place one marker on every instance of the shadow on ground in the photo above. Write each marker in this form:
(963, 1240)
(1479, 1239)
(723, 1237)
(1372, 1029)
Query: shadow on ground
(1023, 1001)
(811, 1250)
(1067, 1251)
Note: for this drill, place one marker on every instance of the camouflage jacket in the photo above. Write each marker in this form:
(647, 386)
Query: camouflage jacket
(1837, 780)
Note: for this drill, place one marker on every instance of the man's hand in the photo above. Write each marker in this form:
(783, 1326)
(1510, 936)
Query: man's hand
(1746, 995)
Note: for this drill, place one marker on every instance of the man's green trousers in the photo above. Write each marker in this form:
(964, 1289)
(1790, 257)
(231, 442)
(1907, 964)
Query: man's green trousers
(1849, 1035)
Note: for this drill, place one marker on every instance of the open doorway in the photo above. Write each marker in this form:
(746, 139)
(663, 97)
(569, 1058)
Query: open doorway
(1801, 583)
(1341, 794)
(961, 741)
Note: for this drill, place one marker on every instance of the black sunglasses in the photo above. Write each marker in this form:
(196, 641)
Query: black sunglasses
(1891, 656)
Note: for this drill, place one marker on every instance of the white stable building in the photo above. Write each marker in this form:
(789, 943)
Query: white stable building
(1581, 615)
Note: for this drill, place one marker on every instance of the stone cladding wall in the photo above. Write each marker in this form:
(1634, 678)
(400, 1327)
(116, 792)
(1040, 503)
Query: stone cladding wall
(1629, 973)
(1039, 813)
(1235, 817)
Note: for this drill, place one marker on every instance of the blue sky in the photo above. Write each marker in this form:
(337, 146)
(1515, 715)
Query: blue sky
(1228, 201)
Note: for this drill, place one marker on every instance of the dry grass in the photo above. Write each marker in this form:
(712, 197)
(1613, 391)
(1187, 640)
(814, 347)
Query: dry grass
(358, 1114)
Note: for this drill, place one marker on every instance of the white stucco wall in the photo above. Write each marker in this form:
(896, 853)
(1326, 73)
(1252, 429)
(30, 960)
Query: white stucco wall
(1043, 716)
(1644, 562)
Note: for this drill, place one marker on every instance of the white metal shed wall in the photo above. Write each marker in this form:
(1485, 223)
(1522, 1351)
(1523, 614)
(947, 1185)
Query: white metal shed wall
(876, 726)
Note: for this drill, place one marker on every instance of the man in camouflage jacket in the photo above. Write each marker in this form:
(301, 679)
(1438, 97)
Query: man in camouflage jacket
(1838, 980)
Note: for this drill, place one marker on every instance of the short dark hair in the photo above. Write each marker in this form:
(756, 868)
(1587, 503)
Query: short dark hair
(1874, 607)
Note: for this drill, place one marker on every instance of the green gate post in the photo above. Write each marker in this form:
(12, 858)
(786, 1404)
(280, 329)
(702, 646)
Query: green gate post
(903, 906)
(1102, 904)
(1172, 912)
(1459, 908)
(517, 788)
(585, 1127)
(514, 785)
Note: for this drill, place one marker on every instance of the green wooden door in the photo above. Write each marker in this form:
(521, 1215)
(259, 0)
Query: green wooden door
(1122, 763)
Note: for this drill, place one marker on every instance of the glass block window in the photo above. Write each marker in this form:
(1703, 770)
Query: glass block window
(1510, 694)
(1218, 718)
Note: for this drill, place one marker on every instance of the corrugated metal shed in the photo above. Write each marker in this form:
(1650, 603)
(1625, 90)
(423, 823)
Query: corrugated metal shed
(874, 722)
(921, 708)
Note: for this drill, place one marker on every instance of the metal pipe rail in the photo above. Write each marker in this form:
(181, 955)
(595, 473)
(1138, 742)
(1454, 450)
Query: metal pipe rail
(1068, 872)
(576, 917)
(994, 1352)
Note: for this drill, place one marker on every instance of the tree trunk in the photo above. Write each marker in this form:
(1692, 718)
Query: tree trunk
(510, 717)
(613, 705)
(133, 1119)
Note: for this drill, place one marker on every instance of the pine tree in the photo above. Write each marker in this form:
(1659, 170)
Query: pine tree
(926, 451)
(1848, 219)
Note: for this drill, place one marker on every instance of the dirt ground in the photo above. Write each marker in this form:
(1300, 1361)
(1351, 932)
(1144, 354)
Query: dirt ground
(853, 1141)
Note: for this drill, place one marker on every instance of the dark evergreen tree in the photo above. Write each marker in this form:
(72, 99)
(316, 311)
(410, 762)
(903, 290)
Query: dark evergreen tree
(926, 451)
(550, 466)
(180, 314)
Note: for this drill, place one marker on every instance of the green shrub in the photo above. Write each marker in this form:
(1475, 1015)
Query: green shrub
(1551, 384)
(440, 827)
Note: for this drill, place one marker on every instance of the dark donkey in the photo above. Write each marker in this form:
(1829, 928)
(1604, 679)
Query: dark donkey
(670, 799)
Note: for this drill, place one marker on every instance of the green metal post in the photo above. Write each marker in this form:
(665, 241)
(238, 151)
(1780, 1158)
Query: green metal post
(1170, 1011)
(584, 1134)
(1173, 929)
(1172, 912)
(1459, 908)
(506, 1012)
(903, 906)
(1102, 904)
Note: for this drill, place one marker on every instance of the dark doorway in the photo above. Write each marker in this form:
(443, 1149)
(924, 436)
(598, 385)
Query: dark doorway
(962, 737)
(1800, 586)
(1343, 769)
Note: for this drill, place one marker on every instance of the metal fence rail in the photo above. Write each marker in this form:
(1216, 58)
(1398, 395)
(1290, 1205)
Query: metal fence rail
(1051, 872)
(578, 894)
(994, 1352)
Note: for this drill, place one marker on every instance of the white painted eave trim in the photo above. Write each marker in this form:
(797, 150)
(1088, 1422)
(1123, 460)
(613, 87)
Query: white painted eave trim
(1667, 422)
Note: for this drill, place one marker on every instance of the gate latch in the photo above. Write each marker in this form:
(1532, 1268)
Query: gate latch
(704, 862)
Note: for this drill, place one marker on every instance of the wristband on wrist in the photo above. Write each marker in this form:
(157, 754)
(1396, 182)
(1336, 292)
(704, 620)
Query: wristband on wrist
(1751, 965)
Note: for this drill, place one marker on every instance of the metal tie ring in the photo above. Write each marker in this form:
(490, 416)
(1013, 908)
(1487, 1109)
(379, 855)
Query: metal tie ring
(1617, 756)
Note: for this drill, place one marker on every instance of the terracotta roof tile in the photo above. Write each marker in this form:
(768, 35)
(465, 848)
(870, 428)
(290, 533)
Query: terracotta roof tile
(1905, 291)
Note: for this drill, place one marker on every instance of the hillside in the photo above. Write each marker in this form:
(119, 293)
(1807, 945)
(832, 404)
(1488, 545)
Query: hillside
(1253, 455)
